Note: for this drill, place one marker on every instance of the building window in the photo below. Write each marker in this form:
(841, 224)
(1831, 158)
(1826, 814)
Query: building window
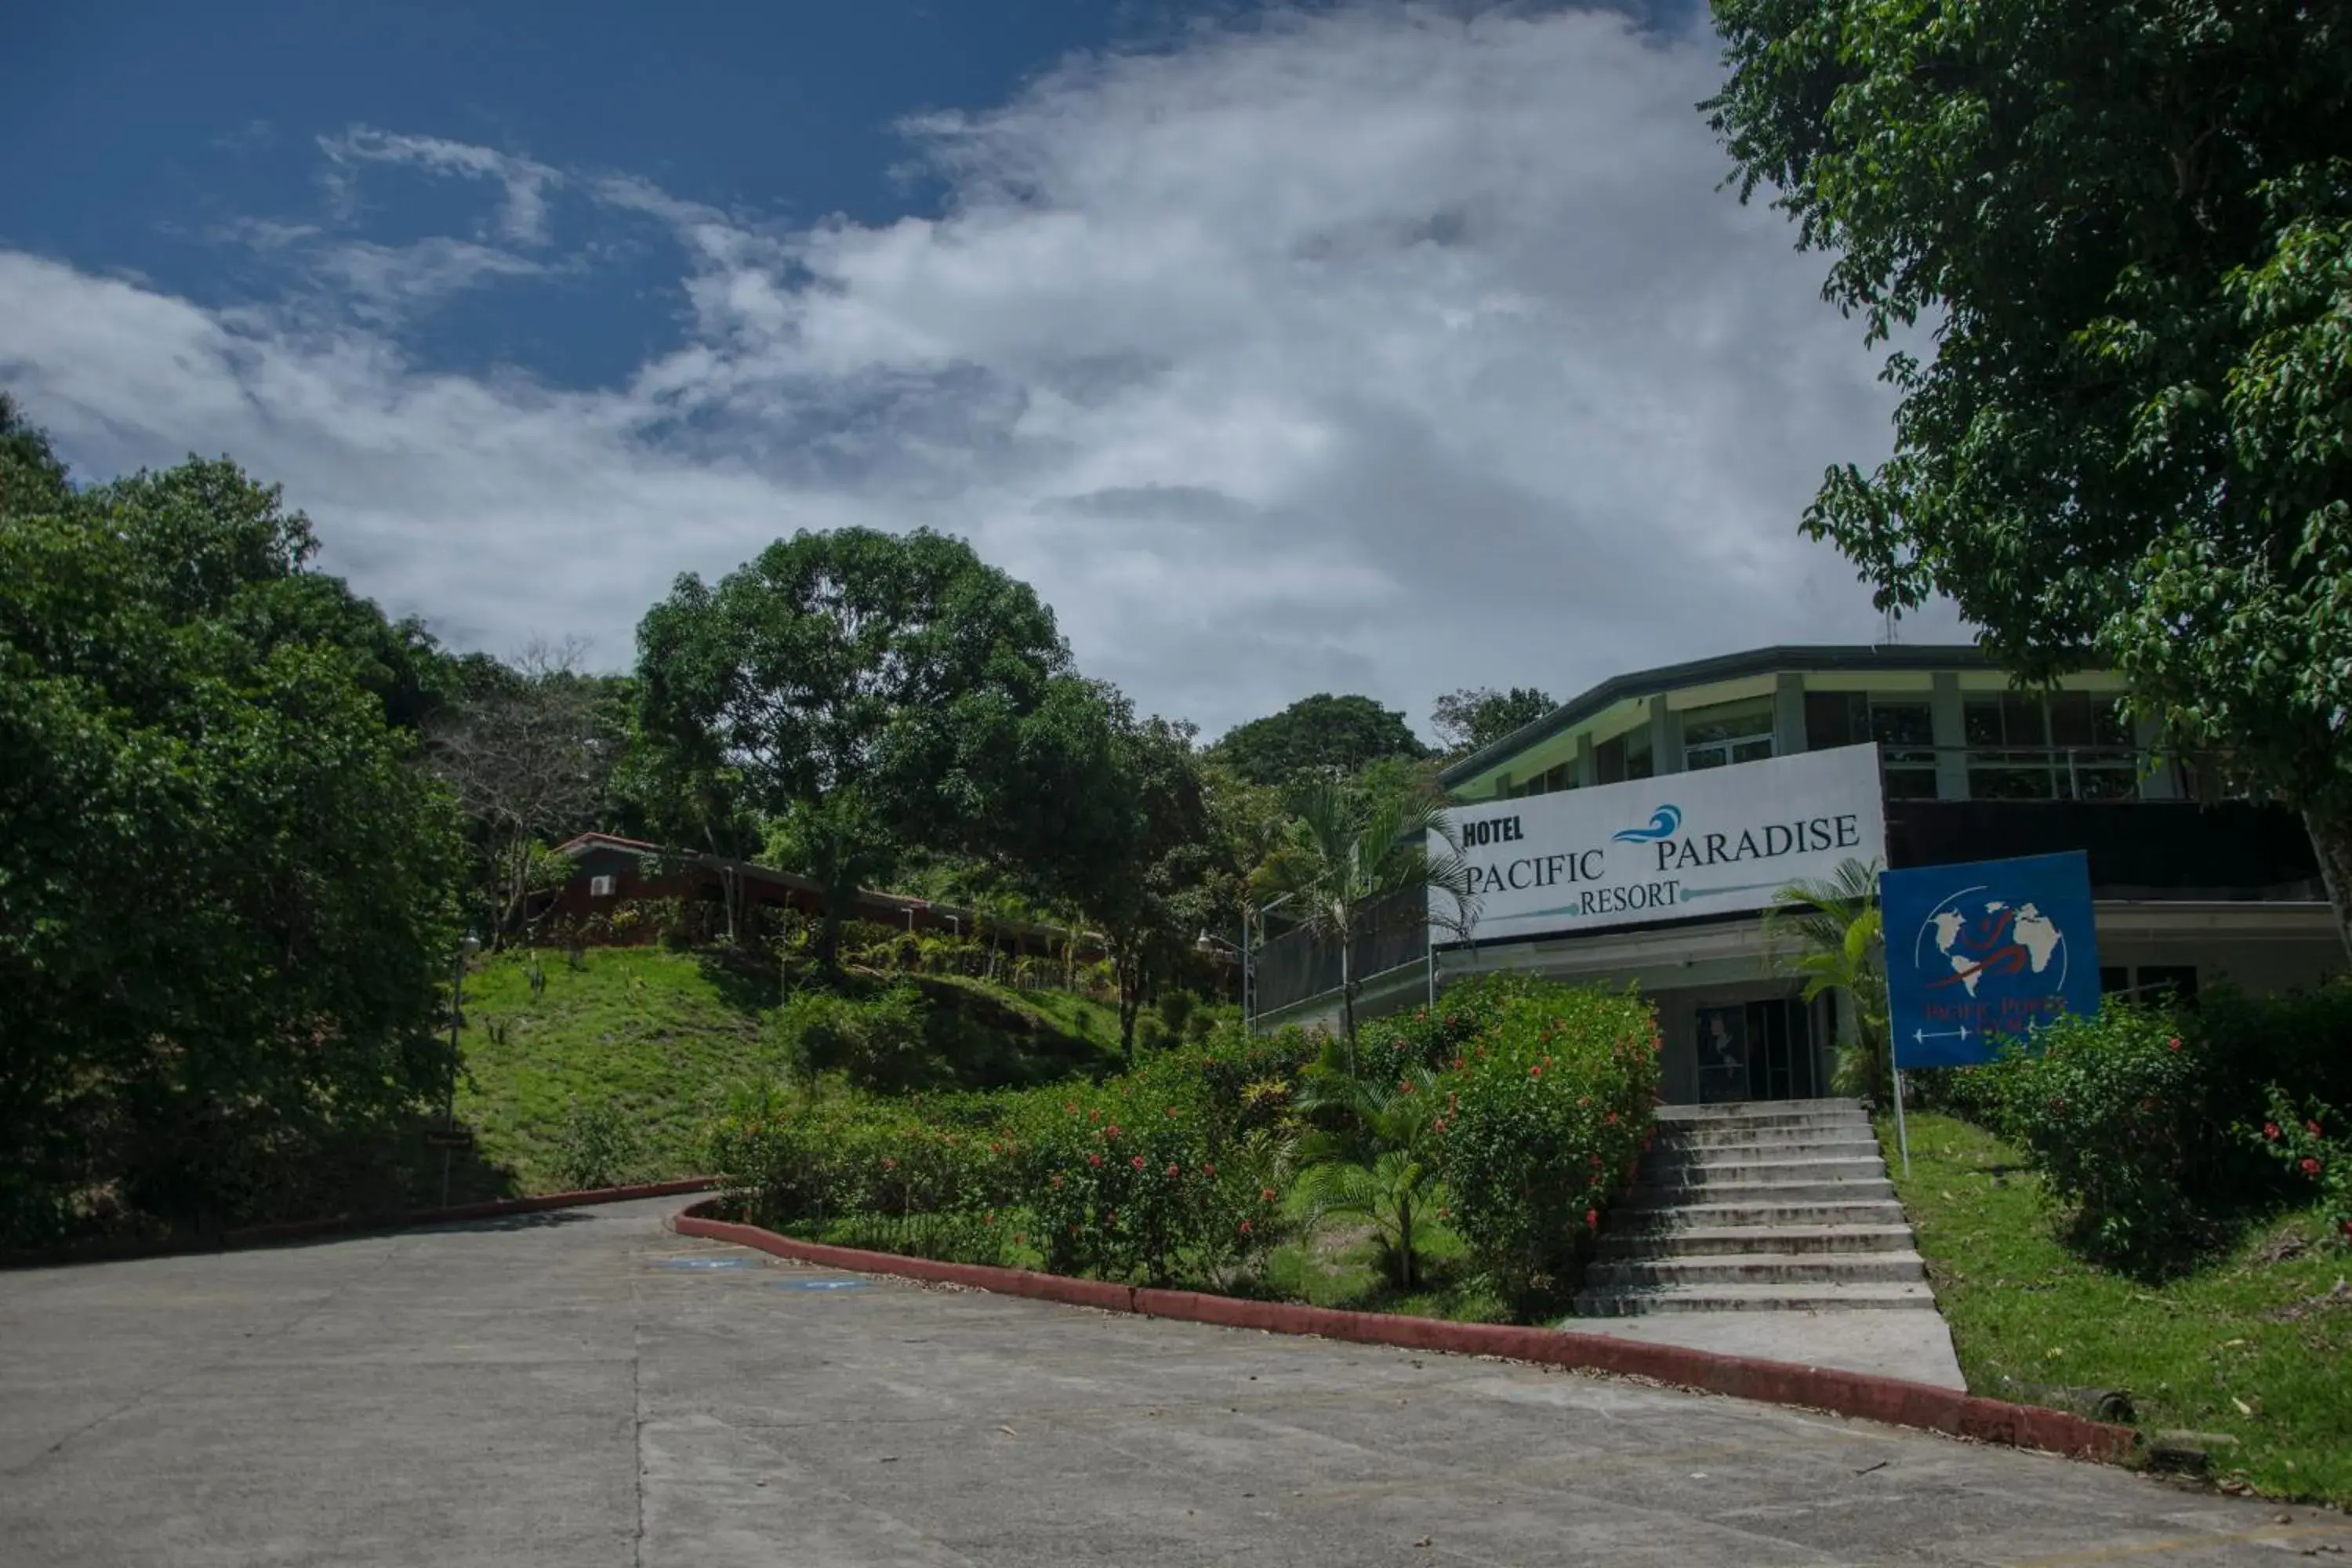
(1561, 776)
(1622, 757)
(2066, 745)
(1729, 732)
(2153, 985)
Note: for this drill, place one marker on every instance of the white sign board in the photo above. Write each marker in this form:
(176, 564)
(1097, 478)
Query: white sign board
(1718, 841)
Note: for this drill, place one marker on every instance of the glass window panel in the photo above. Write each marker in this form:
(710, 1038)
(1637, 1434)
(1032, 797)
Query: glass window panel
(2070, 718)
(1902, 724)
(1999, 783)
(1830, 720)
(1639, 763)
(1703, 757)
(1910, 784)
(1609, 760)
(1754, 750)
(1980, 716)
(1728, 721)
(2021, 719)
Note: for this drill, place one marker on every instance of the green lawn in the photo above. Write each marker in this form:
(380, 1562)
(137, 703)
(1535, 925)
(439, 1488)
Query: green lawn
(2245, 1344)
(664, 1037)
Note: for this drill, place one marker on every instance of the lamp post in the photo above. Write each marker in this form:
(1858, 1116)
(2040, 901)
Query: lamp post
(466, 949)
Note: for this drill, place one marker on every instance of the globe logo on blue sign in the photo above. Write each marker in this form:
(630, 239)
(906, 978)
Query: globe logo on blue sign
(1986, 940)
(1979, 952)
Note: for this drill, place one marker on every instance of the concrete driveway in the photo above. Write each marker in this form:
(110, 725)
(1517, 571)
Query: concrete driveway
(585, 1389)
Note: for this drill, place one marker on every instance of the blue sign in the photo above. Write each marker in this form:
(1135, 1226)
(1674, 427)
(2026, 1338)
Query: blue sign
(1985, 951)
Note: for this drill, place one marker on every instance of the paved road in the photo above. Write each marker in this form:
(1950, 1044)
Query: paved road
(589, 1391)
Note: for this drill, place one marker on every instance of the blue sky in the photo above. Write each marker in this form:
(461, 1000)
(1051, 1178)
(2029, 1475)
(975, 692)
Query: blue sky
(1368, 346)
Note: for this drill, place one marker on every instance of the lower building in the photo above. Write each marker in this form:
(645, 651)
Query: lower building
(1637, 835)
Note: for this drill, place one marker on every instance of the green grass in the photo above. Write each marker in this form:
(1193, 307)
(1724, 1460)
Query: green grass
(2232, 1346)
(664, 1037)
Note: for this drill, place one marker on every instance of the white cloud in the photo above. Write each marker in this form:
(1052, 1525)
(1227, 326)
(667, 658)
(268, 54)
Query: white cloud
(1369, 350)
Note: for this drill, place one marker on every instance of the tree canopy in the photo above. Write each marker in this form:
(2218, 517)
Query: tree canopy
(2130, 227)
(1320, 735)
(1479, 716)
(867, 688)
(226, 891)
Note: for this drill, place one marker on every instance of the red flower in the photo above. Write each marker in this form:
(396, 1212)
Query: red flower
(1592, 1219)
(1610, 1120)
(2173, 1044)
(2310, 1167)
(1137, 1161)
(2269, 1131)
(2313, 1128)
(1057, 1181)
(1245, 1227)
(1069, 1108)
(1171, 1110)
(1112, 1131)
(1458, 1064)
(1171, 1170)
(996, 1148)
(1094, 1160)
(1535, 1072)
(1265, 1193)
(1208, 1170)
(1094, 1115)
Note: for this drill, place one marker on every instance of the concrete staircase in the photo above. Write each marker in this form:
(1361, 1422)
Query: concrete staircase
(1772, 1205)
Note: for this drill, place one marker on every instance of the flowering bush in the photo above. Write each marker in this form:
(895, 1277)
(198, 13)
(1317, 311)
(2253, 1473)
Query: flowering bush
(2313, 1144)
(2115, 1112)
(1548, 1110)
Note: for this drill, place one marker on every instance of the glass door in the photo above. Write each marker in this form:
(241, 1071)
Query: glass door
(1755, 1050)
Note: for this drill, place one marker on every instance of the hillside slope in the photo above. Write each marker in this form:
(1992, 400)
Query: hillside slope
(661, 1038)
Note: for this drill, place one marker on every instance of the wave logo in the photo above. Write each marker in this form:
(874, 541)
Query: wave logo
(1664, 822)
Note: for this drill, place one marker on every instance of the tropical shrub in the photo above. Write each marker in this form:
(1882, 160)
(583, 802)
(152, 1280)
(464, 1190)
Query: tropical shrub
(1548, 1109)
(2113, 1111)
(1379, 1165)
(596, 1146)
(2299, 1139)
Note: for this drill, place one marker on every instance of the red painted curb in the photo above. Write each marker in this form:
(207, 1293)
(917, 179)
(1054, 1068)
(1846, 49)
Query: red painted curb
(1885, 1399)
(302, 1229)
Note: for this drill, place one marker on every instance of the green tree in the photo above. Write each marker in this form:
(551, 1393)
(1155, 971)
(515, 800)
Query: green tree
(867, 687)
(1831, 934)
(530, 760)
(1378, 1166)
(1323, 735)
(1479, 716)
(1112, 816)
(226, 889)
(1348, 864)
(2131, 224)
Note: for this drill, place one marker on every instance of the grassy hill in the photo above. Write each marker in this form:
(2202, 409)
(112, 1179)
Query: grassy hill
(661, 1038)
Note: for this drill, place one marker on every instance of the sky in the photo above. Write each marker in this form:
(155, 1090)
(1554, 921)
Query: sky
(1357, 347)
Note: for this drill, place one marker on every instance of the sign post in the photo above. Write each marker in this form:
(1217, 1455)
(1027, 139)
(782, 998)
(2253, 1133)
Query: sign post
(1980, 953)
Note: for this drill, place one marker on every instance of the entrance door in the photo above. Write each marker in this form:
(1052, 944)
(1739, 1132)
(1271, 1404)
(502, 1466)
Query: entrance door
(1755, 1050)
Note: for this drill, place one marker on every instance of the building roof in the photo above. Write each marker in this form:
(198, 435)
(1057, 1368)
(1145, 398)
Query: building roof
(1705, 671)
(867, 898)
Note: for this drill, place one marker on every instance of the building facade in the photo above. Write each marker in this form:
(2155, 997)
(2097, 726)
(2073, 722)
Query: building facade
(1636, 833)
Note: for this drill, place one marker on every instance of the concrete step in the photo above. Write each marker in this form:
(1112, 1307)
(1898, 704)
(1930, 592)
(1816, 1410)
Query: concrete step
(1742, 1133)
(1750, 1171)
(1668, 1157)
(1702, 1241)
(1662, 1222)
(1757, 1112)
(1709, 1194)
(1760, 1268)
(1819, 1297)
